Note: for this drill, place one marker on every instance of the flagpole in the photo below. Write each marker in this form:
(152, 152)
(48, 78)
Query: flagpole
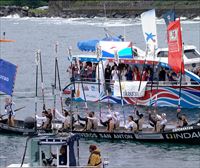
(179, 101)
(152, 78)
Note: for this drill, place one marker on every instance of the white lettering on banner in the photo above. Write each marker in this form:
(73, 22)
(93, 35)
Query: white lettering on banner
(185, 135)
(4, 78)
(130, 88)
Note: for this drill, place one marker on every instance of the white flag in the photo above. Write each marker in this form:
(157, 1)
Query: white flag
(149, 30)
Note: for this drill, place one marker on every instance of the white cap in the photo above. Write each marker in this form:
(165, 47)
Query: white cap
(163, 114)
(116, 113)
(109, 116)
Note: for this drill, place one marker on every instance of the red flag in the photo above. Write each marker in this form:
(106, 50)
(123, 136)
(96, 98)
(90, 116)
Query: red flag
(175, 49)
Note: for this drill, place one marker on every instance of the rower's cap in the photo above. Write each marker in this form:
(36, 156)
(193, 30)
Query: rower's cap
(116, 113)
(109, 116)
(163, 114)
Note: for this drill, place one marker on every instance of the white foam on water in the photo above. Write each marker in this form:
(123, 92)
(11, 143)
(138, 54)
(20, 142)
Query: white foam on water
(96, 21)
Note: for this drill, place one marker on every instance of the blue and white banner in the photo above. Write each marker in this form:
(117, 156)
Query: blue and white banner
(130, 88)
(149, 31)
(7, 76)
(123, 49)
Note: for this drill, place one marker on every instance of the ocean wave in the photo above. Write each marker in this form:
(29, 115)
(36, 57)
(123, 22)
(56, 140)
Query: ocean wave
(96, 21)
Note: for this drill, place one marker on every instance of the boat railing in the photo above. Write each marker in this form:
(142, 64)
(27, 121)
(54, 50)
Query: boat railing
(149, 83)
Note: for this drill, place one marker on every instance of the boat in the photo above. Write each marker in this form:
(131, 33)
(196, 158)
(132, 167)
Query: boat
(7, 80)
(187, 135)
(157, 93)
(20, 128)
(163, 93)
(40, 148)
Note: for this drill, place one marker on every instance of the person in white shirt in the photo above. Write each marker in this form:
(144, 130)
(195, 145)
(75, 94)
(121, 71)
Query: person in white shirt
(161, 123)
(41, 120)
(123, 74)
(131, 125)
(114, 74)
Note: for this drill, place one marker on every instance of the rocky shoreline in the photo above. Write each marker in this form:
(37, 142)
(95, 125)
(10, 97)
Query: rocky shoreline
(128, 10)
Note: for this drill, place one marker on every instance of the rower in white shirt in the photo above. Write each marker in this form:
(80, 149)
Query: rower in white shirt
(131, 125)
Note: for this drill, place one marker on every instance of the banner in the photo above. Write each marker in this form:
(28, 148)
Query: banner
(123, 49)
(130, 88)
(175, 49)
(149, 31)
(7, 76)
(169, 17)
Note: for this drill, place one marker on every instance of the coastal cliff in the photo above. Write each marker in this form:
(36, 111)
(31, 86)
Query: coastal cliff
(102, 8)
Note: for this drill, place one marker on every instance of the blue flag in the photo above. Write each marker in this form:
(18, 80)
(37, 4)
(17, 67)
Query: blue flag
(7, 76)
(169, 16)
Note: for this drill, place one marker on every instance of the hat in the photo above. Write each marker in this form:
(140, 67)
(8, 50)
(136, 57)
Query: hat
(109, 116)
(116, 113)
(163, 114)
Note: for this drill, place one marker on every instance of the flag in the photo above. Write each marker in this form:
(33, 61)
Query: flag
(123, 49)
(7, 76)
(169, 16)
(175, 49)
(149, 31)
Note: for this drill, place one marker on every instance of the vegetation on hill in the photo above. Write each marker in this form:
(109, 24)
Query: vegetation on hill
(29, 3)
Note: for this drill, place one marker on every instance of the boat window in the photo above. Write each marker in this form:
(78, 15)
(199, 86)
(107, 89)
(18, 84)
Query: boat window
(191, 54)
(162, 54)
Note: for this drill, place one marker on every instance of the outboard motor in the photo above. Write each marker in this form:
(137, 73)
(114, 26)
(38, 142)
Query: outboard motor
(29, 123)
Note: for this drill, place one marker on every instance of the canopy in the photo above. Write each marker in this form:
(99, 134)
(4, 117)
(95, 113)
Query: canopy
(90, 45)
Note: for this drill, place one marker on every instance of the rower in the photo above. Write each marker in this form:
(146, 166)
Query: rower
(109, 123)
(91, 122)
(153, 119)
(116, 119)
(161, 123)
(139, 120)
(131, 125)
(9, 111)
(182, 119)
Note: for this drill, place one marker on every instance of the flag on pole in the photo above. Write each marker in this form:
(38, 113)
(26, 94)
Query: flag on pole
(175, 49)
(149, 30)
(169, 16)
(7, 76)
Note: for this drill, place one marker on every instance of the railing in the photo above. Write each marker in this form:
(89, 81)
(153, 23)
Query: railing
(149, 83)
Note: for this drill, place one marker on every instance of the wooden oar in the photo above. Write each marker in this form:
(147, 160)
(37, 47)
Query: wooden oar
(14, 111)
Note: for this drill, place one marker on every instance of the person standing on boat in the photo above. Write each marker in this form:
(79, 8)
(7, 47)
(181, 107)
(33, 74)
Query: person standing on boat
(182, 119)
(131, 125)
(115, 73)
(9, 111)
(107, 77)
(95, 157)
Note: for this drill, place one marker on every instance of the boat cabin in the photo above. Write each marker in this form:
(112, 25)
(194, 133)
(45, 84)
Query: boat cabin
(52, 150)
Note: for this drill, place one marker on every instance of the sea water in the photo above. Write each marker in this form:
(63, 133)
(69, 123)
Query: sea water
(33, 34)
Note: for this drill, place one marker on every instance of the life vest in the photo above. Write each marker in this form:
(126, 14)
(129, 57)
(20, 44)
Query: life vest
(95, 159)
